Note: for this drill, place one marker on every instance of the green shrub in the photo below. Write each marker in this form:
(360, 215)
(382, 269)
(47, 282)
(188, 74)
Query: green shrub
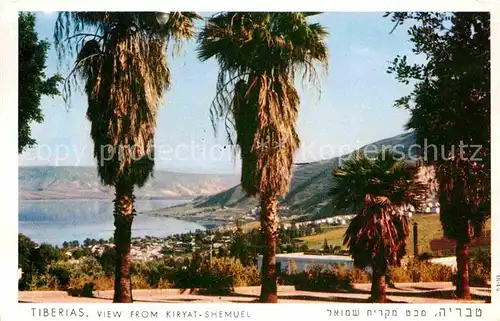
(479, 268)
(154, 271)
(139, 282)
(319, 278)
(358, 276)
(107, 260)
(164, 284)
(43, 282)
(435, 273)
(62, 274)
(479, 275)
(220, 277)
(103, 283)
(89, 265)
(420, 271)
(252, 276)
(399, 275)
(82, 286)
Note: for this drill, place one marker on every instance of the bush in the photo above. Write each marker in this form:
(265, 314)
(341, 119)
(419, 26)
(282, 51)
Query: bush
(252, 276)
(399, 275)
(479, 268)
(420, 271)
(89, 265)
(43, 282)
(62, 274)
(319, 278)
(139, 282)
(104, 283)
(154, 271)
(82, 286)
(164, 284)
(107, 260)
(479, 276)
(358, 276)
(218, 278)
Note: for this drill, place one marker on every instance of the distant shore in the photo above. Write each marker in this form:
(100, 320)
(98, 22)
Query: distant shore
(108, 198)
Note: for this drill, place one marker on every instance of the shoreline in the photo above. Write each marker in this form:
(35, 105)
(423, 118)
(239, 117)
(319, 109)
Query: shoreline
(108, 199)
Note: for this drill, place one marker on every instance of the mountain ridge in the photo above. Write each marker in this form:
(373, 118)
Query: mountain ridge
(67, 182)
(308, 193)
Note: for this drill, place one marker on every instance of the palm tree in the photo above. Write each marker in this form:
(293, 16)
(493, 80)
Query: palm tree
(258, 56)
(122, 62)
(376, 190)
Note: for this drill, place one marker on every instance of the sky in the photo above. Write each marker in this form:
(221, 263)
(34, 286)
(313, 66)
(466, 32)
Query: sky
(355, 107)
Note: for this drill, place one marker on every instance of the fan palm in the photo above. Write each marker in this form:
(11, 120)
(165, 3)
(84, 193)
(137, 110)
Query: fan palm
(121, 59)
(376, 190)
(258, 55)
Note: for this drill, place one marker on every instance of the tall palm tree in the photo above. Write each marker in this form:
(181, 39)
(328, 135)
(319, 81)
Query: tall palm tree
(122, 62)
(258, 56)
(376, 190)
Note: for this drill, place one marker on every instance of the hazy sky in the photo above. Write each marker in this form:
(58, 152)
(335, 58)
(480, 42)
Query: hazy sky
(355, 107)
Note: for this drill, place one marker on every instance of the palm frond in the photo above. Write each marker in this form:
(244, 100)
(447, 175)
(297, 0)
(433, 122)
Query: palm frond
(123, 64)
(376, 189)
(258, 55)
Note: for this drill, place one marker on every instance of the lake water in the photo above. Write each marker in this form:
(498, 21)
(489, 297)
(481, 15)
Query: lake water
(56, 221)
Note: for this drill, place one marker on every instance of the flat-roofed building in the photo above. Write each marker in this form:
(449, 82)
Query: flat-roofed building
(303, 261)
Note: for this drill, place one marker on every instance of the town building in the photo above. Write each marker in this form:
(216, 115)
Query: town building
(302, 261)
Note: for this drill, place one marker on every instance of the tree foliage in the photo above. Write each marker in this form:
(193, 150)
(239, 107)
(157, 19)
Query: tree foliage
(34, 259)
(121, 59)
(377, 190)
(450, 109)
(33, 83)
(259, 55)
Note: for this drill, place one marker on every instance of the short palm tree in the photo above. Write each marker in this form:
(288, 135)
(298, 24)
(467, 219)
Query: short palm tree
(376, 189)
(122, 62)
(258, 56)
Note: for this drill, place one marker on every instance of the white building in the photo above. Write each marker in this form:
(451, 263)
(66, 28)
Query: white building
(302, 261)
(450, 261)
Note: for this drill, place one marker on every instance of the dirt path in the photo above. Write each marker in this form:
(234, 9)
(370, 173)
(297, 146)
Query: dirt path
(403, 293)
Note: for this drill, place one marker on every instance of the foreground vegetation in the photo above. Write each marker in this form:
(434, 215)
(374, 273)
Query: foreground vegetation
(50, 268)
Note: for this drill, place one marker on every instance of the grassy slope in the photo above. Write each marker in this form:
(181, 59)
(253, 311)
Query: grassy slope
(429, 229)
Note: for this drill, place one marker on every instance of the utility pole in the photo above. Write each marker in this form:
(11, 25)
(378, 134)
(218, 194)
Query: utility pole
(415, 239)
(211, 247)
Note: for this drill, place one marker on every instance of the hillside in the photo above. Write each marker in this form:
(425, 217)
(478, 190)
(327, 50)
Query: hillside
(82, 182)
(429, 228)
(308, 191)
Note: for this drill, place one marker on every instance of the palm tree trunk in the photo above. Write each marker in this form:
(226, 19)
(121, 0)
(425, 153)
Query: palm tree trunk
(269, 225)
(124, 215)
(378, 293)
(463, 287)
